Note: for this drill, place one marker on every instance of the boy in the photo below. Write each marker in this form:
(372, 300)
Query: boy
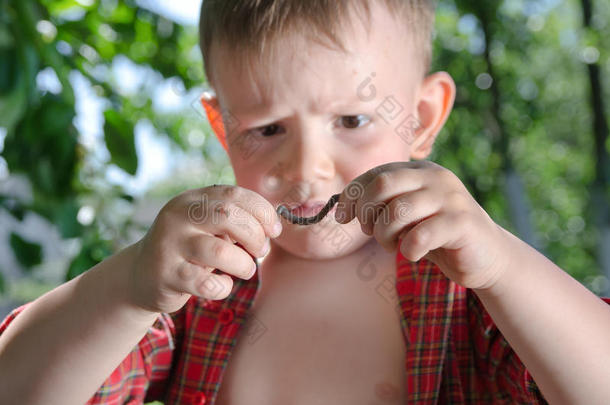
(388, 303)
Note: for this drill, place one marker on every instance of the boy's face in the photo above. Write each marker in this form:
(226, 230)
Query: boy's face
(316, 118)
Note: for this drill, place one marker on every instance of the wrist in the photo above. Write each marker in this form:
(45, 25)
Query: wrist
(502, 267)
(112, 278)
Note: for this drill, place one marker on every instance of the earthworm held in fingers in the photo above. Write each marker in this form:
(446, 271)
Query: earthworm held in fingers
(285, 212)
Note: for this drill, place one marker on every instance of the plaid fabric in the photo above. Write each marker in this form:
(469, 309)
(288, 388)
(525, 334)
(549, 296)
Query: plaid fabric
(455, 353)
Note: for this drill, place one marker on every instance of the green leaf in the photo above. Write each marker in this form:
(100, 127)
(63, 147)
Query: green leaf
(7, 39)
(2, 284)
(65, 218)
(81, 263)
(28, 254)
(48, 138)
(91, 254)
(11, 205)
(13, 104)
(119, 137)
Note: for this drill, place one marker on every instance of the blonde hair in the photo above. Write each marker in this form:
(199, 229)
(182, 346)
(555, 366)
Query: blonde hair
(247, 26)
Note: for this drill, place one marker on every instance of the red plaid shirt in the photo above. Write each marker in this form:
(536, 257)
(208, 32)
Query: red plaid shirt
(455, 354)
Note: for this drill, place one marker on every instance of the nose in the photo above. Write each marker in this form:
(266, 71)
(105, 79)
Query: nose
(309, 159)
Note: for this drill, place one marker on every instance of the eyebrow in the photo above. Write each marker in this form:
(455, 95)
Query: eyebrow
(261, 110)
(255, 111)
(341, 103)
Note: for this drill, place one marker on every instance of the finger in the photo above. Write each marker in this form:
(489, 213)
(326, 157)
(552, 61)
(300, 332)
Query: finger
(229, 218)
(355, 190)
(195, 280)
(403, 212)
(213, 252)
(411, 177)
(248, 200)
(260, 208)
(439, 231)
(345, 211)
(385, 187)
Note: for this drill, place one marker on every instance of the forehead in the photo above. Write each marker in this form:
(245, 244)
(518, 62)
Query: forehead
(295, 66)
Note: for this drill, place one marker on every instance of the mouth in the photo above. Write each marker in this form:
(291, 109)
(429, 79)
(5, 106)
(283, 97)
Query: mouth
(310, 209)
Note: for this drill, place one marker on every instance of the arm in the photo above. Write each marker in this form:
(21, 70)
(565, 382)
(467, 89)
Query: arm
(559, 329)
(62, 347)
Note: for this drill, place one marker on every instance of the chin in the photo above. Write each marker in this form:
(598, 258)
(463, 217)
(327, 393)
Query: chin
(322, 241)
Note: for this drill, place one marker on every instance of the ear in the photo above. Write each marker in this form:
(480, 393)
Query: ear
(210, 104)
(436, 98)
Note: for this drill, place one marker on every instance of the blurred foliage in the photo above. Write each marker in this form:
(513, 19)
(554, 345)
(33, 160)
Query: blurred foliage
(63, 39)
(27, 253)
(537, 50)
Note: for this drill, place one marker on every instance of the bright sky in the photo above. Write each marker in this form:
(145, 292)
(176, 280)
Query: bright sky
(183, 11)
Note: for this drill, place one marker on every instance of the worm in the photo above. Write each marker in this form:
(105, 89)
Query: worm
(285, 212)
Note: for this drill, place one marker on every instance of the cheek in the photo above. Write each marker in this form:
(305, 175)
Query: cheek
(259, 178)
(396, 144)
(392, 149)
(400, 149)
(250, 179)
(246, 175)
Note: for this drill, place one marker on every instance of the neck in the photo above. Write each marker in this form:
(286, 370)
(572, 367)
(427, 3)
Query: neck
(280, 263)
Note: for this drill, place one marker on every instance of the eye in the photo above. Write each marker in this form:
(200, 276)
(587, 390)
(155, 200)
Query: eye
(267, 131)
(354, 121)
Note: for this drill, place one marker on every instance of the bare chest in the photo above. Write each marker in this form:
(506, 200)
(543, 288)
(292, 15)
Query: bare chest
(334, 343)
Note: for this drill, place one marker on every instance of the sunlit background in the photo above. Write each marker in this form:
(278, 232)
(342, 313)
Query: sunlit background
(100, 125)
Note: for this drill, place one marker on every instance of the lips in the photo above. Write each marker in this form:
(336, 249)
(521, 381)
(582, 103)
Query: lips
(309, 208)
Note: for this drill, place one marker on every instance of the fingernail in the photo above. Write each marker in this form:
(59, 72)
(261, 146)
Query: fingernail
(365, 229)
(253, 271)
(339, 216)
(266, 248)
(277, 229)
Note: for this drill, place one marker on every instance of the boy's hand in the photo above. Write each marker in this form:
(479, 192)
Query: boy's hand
(429, 208)
(194, 234)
